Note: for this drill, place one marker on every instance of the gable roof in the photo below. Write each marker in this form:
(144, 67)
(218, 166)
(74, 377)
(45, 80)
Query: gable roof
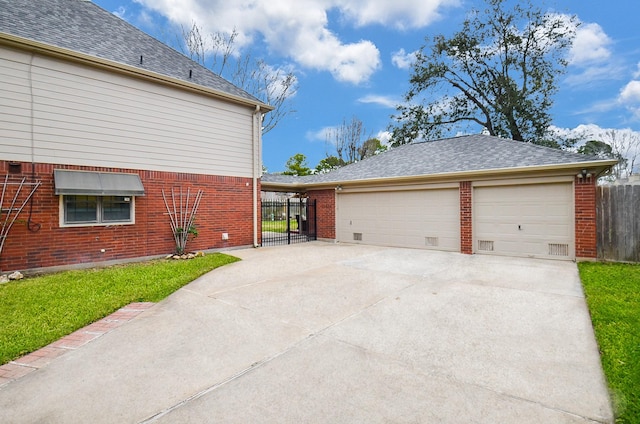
(83, 27)
(470, 154)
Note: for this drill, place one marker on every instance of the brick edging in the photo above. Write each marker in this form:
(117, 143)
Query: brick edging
(20, 367)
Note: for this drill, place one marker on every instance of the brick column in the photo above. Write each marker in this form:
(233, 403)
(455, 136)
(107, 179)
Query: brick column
(466, 222)
(585, 218)
(325, 212)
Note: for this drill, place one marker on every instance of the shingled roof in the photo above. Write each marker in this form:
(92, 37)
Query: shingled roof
(469, 153)
(81, 26)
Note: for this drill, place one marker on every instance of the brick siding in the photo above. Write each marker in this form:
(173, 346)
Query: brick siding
(226, 207)
(325, 212)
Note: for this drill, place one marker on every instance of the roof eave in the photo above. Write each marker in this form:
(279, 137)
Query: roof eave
(596, 167)
(83, 58)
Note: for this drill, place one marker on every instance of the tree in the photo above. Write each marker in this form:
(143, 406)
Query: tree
(346, 139)
(272, 85)
(499, 72)
(625, 146)
(329, 164)
(371, 147)
(297, 165)
(596, 148)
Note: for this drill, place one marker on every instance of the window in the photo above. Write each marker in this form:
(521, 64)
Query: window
(82, 209)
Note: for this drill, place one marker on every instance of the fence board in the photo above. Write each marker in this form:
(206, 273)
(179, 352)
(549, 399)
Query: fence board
(618, 217)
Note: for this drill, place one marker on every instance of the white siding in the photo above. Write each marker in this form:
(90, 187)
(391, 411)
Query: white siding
(15, 108)
(85, 116)
(424, 219)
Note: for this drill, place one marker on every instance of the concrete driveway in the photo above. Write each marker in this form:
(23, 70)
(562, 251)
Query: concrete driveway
(328, 333)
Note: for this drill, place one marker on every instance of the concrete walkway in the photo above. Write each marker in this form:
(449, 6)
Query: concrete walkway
(325, 333)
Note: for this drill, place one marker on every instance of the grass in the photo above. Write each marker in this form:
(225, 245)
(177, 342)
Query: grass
(613, 296)
(279, 226)
(37, 311)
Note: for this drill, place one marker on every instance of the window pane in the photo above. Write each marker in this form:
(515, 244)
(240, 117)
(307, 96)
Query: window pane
(80, 209)
(116, 208)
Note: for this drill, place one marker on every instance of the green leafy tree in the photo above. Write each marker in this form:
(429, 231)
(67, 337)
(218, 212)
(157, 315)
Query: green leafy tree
(498, 73)
(297, 165)
(371, 147)
(596, 148)
(329, 164)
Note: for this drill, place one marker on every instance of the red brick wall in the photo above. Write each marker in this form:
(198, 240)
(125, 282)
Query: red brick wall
(466, 221)
(325, 212)
(585, 216)
(226, 206)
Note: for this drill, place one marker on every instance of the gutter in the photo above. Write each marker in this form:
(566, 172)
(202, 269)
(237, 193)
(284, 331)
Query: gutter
(97, 62)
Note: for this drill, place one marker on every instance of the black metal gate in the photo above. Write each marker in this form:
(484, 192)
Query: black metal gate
(288, 221)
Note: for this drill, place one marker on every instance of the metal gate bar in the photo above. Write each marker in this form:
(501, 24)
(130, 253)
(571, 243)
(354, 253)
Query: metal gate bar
(288, 221)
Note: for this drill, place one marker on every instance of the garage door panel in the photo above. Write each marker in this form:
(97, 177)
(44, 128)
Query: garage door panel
(528, 220)
(416, 218)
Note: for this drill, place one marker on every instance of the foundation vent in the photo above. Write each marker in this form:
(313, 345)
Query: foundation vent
(485, 245)
(357, 236)
(558, 249)
(431, 241)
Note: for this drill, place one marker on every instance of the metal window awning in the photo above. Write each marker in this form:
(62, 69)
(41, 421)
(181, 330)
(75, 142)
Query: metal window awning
(97, 183)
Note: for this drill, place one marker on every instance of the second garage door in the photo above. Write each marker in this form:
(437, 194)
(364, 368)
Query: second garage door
(427, 219)
(524, 220)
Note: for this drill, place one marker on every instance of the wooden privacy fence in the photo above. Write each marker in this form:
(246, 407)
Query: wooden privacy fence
(618, 214)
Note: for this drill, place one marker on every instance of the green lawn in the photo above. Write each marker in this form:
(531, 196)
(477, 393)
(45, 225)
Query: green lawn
(37, 311)
(613, 296)
(279, 226)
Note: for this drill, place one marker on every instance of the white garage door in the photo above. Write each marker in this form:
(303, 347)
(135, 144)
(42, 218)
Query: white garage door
(426, 219)
(524, 220)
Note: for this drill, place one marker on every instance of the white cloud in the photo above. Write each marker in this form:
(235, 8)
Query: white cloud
(299, 29)
(623, 141)
(595, 73)
(120, 12)
(631, 92)
(585, 132)
(385, 101)
(401, 14)
(323, 134)
(384, 137)
(144, 18)
(402, 59)
(591, 45)
(582, 132)
(630, 97)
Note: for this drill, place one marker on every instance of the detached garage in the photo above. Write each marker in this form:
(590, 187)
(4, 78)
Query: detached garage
(474, 194)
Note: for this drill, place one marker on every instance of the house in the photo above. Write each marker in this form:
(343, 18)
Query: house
(473, 194)
(105, 119)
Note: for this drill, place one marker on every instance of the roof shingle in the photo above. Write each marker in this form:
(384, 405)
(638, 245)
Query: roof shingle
(459, 154)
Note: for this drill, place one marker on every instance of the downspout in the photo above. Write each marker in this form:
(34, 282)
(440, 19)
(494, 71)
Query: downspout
(257, 131)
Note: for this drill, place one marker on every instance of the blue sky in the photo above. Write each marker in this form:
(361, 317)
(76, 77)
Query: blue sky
(349, 57)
